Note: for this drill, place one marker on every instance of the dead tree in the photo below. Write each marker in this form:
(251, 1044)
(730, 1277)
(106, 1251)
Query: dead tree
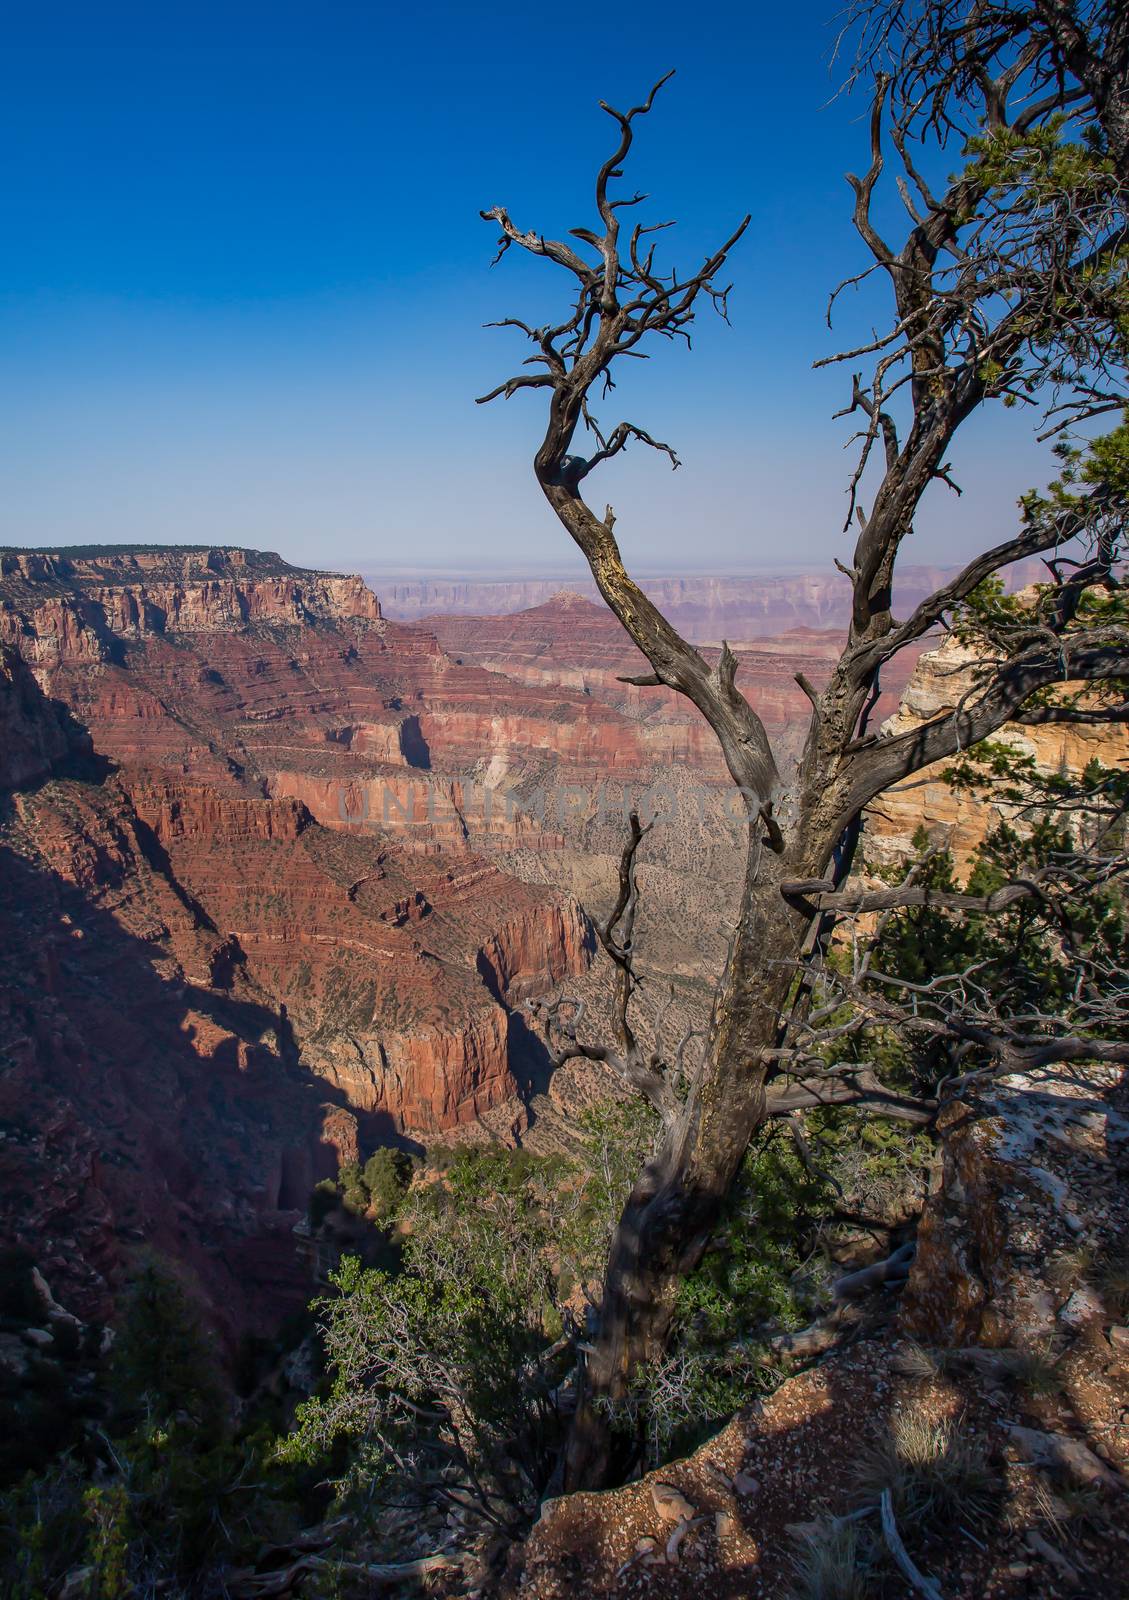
(1069, 55)
(990, 299)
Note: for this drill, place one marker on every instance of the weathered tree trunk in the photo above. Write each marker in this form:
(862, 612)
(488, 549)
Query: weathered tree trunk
(675, 1206)
(672, 1211)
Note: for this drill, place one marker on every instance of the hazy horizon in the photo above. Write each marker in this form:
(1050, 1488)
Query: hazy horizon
(498, 570)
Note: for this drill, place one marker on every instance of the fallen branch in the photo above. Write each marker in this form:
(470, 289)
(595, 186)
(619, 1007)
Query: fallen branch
(255, 1585)
(1068, 1455)
(924, 1586)
(895, 1269)
(816, 1337)
(1066, 1570)
(856, 1087)
(673, 1544)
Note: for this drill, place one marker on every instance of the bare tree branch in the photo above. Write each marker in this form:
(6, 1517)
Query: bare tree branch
(617, 937)
(857, 1087)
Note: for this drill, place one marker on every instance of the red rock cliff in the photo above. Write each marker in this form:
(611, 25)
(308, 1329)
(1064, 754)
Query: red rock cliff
(204, 987)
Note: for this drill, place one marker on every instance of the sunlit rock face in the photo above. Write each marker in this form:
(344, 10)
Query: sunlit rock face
(941, 678)
(570, 642)
(1026, 1168)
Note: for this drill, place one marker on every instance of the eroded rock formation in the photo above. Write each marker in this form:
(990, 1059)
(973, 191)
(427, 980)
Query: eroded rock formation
(571, 642)
(220, 972)
(962, 818)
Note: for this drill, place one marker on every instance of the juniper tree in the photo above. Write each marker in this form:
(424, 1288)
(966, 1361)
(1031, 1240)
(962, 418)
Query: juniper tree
(1005, 284)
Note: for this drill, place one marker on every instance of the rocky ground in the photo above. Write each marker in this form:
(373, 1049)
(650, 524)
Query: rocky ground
(992, 1399)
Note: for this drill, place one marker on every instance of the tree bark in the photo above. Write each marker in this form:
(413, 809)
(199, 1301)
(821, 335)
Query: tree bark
(676, 1203)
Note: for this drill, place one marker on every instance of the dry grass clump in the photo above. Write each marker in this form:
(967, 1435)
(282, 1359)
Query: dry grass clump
(832, 1565)
(918, 1363)
(937, 1475)
(1035, 1370)
(1082, 1505)
(1067, 1268)
(1106, 1269)
(939, 1478)
(1113, 1283)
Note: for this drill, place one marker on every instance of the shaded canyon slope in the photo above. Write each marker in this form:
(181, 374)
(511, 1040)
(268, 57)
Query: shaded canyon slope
(218, 978)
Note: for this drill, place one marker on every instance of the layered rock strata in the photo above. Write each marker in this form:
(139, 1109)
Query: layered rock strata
(941, 680)
(219, 973)
(569, 642)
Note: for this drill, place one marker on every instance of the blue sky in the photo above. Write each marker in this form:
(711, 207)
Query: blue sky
(243, 280)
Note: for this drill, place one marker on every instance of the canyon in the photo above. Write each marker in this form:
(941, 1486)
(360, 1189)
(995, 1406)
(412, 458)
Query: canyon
(278, 874)
(218, 981)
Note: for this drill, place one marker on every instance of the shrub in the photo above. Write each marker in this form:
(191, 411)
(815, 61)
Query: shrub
(107, 1512)
(935, 1473)
(17, 1291)
(761, 1277)
(1113, 1282)
(324, 1199)
(164, 1364)
(355, 1199)
(161, 1494)
(437, 1380)
(387, 1177)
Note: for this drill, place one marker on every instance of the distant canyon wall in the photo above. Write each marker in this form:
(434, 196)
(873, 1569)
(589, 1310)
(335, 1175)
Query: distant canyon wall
(704, 607)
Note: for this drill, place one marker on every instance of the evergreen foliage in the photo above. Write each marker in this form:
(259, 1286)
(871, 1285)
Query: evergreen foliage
(161, 1490)
(387, 1176)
